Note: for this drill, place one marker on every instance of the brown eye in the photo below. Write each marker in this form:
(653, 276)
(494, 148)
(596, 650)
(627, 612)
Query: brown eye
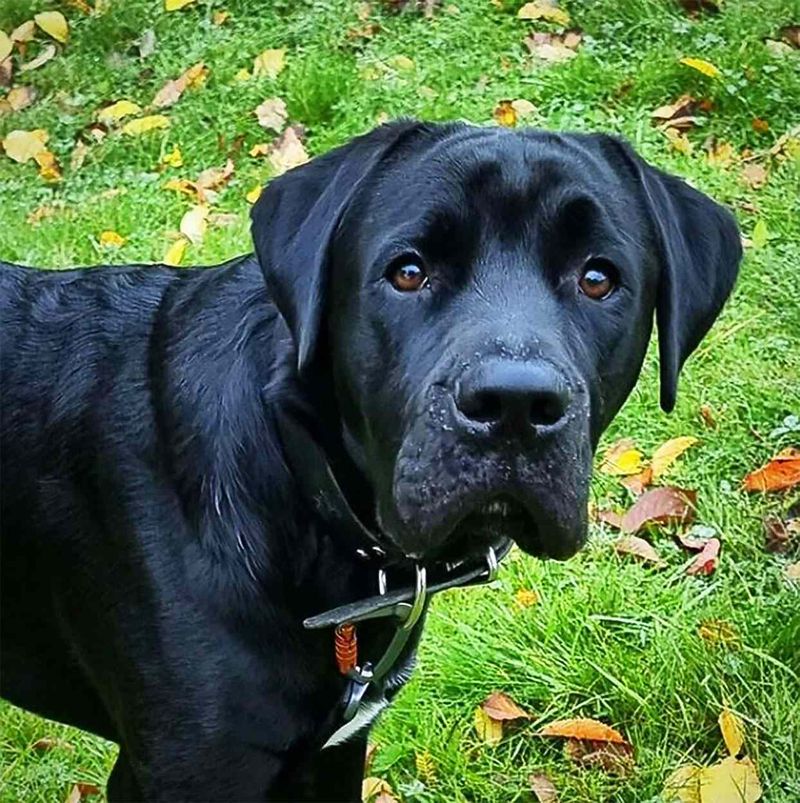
(598, 279)
(408, 277)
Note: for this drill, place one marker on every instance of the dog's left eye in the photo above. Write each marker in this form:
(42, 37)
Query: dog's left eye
(407, 276)
(598, 279)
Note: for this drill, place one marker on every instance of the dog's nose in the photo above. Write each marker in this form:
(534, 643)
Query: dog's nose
(517, 395)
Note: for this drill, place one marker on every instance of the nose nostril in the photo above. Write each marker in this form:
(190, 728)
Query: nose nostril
(485, 407)
(547, 409)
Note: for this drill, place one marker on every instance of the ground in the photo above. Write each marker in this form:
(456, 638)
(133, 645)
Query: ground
(608, 637)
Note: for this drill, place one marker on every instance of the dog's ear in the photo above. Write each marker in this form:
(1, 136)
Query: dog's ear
(295, 219)
(699, 251)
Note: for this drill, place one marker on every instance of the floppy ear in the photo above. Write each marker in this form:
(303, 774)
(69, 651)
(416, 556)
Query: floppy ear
(295, 219)
(699, 251)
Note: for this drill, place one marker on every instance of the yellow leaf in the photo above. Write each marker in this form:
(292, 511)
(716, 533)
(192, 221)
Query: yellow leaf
(732, 780)
(505, 114)
(253, 195)
(489, 731)
(174, 158)
(152, 122)
(270, 63)
(49, 168)
(220, 17)
(732, 731)
(54, 24)
(174, 254)
(20, 97)
(702, 66)
(668, 452)
(760, 233)
(181, 185)
(22, 146)
(372, 788)
(621, 459)
(541, 10)
(117, 111)
(523, 108)
(24, 32)
(111, 239)
(683, 785)
(679, 141)
(401, 62)
(194, 224)
(426, 768)
(176, 5)
(243, 75)
(6, 45)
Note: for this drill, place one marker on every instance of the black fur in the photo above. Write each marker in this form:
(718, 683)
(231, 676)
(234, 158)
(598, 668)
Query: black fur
(157, 555)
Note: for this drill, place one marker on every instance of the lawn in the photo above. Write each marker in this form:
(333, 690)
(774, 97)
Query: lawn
(605, 636)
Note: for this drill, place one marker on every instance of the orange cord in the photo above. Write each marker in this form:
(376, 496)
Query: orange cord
(346, 647)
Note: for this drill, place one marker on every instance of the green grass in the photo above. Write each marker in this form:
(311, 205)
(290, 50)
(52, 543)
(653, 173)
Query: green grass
(610, 638)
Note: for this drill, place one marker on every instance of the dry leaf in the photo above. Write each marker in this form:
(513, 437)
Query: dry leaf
(708, 417)
(223, 219)
(78, 156)
(54, 24)
(754, 175)
(6, 71)
(543, 789)
(490, 731)
(269, 63)
(376, 790)
(173, 159)
(6, 45)
(80, 791)
(523, 108)
(171, 92)
(118, 111)
(287, 151)
(174, 254)
(732, 729)
(730, 781)
(792, 572)
(272, 114)
(696, 538)
(589, 729)
(720, 153)
(553, 47)
(679, 141)
(702, 66)
(48, 743)
(680, 114)
(194, 224)
(49, 169)
(638, 548)
(660, 506)
(780, 473)
(621, 459)
(613, 758)
(141, 126)
(781, 536)
(254, 194)
(20, 97)
(668, 452)
(22, 146)
(214, 177)
(45, 54)
(500, 707)
(610, 517)
(707, 559)
(505, 114)
(544, 10)
(176, 5)
(220, 17)
(637, 483)
(24, 32)
(111, 238)
(717, 631)
(526, 597)
(694, 7)
(791, 35)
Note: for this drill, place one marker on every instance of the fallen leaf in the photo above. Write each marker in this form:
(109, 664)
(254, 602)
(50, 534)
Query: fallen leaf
(660, 506)
(552, 47)
(526, 597)
(6, 71)
(543, 789)
(111, 239)
(732, 729)
(731, 780)
(254, 194)
(638, 548)
(220, 17)
(720, 153)
(696, 538)
(376, 790)
(505, 114)
(171, 92)
(48, 743)
(45, 54)
(707, 414)
(500, 707)
(637, 483)
(589, 729)
(49, 169)
(621, 459)
(544, 10)
(792, 572)
(610, 757)
(223, 219)
(781, 536)
(141, 126)
(6, 45)
(760, 235)
(679, 141)
(759, 125)
(707, 559)
(287, 152)
(118, 111)
(182, 185)
(668, 452)
(80, 791)
(754, 175)
(790, 34)
(20, 97)
(194, 224)
(702, 66)
(780, 473)
(173, 159)
(717, 631)
(610, 517)
(523, 108)
(147, 43)
(176, 5)
(22, 146)
(78, 156)
(54, 24)
(174, 254)
(243, 75)
(272, 114)
(269, 63)
(694, 7)
(490, 731)
(24, 32)
(401, 62)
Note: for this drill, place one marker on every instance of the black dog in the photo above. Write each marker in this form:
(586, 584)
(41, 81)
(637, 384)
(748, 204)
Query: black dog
(439, 322)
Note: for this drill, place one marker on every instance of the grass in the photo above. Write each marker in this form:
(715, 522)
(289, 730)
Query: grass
(609, 638)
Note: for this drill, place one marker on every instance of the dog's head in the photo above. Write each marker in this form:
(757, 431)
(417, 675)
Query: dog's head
(482, 300)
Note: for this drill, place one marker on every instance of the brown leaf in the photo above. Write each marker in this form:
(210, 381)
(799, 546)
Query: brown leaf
(754, 175)
(171, 92)
(543, 789)
(694, 7)
(609, 517)
(272, 114)
(696, 538)
(288, 151)
(48, 743)
(214, 178)
(660, 506)
(590, 729)
(613, 758)
(792, 572)
(6, 71)
(759, 125)
(781, 536)
(679, 115)
(636, 483)
(707, 559)
(638, 548)
(791, 35)
(20, 97)
(708, 417)
(552, 47)
(500, 707)
(780, 473)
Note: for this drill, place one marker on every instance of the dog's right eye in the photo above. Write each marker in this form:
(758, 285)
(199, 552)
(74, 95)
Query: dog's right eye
(407, 276)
